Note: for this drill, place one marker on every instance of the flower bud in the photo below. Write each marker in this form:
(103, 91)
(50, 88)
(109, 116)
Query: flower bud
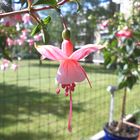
(66, 34)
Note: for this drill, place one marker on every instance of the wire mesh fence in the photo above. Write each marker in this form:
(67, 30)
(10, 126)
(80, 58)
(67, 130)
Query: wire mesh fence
(30, 109)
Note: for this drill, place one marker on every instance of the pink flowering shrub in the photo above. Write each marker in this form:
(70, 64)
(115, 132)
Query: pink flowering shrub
(6, 64)
(122, 55)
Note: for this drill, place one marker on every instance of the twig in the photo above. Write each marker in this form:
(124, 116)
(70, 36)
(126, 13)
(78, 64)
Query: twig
(132, 124)
(26, 10)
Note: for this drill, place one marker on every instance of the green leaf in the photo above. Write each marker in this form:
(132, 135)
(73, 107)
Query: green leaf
(47, 2)
(122, 81)
(131, 81)
(36, 30)
(46, 20)
(114, 43)
(45, 35)
(2, 41)
(137, 52)
(136, 34)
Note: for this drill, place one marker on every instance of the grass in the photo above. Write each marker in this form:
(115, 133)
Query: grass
(31, 110)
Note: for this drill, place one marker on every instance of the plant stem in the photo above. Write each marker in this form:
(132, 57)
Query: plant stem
(123, 104)
(26, 10)
(35, 18)
(63, 21)
(119, 126)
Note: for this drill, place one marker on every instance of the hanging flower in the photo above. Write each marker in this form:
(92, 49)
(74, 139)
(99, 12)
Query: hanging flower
(8, 21)
(26, 18)
(10, 42)
(5, 64)
(18, 17)
(19, 42)
(104, 24)
(31, 42)
(38, 37)
(70, 71)
(127, 33)
(14, 67)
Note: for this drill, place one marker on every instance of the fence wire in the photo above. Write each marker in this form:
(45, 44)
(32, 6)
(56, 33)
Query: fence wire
(31, 110)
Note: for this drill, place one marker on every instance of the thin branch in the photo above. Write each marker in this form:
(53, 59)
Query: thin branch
(63, 21)
(33, 9)
(123, 104)
(132, 124)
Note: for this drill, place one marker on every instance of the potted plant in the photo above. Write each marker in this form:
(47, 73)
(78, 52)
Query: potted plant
(122, 54)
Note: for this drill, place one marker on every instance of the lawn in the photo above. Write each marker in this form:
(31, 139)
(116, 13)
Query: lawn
(31, 110)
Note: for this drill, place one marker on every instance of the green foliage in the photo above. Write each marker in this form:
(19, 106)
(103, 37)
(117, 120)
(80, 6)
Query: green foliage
(124, 58)
(46, 20)
(42, 26)
(47, 2)
(36, 29)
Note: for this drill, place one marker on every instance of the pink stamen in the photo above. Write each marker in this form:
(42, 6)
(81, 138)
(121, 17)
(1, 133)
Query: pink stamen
(73, 84)
(70, 114)
(66, 93)
(86, 77)
(66, 89)
(58, 90)
(63, 85)
(72, 88)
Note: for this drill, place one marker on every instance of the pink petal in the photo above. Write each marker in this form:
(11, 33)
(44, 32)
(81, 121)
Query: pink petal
(26, 18)
(67, 47)
(10, 42)
(51, 52)
(127, 33)
(69, 72)
(18, 17)
(14, 67)
(85, 51)
(38, 37)
(2, 66)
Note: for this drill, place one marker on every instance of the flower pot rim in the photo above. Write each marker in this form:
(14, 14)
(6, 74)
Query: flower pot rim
(122, 137)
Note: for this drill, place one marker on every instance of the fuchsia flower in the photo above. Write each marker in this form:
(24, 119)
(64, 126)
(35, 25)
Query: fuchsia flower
(38, 37)
(31, 42)
(127, 33)
(25, 32)
(10, 42)
(14, 67)
(8, 21)
(104, 24)
(20, 42)
(26, 18)
(18, 17)
(70, 70)
(23, 37)
(5, 64)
